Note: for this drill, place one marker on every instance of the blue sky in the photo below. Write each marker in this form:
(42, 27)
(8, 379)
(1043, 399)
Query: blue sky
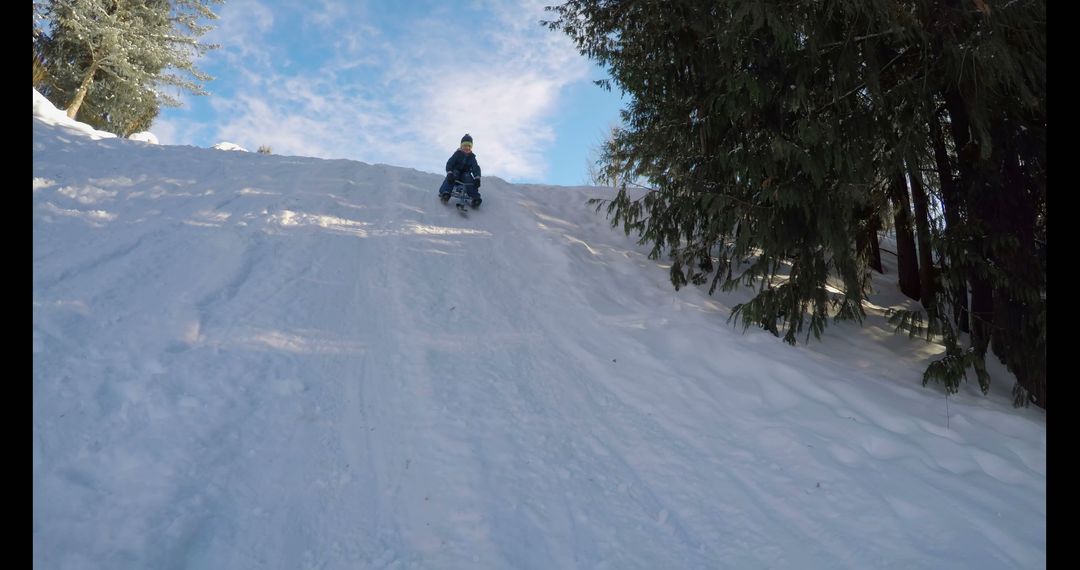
(399, 83)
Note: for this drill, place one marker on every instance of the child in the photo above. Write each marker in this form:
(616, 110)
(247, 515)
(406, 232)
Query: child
(462, 167)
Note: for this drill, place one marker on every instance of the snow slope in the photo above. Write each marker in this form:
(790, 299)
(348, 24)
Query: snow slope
(258, 361)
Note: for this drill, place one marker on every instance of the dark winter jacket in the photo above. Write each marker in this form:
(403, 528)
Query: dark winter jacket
(462, 162)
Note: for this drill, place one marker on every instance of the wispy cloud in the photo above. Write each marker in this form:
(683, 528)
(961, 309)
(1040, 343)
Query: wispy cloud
(402, 96)
(242, 30)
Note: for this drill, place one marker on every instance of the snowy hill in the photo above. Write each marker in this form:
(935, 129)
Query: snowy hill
(258, 361)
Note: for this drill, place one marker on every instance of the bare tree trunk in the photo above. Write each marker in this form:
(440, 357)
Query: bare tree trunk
(80, 93)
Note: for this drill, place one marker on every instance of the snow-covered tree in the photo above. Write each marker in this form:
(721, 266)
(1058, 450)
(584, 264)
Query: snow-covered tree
(134, 46)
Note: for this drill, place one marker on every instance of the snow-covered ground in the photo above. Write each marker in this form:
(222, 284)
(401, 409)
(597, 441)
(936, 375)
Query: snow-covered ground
(256, 361)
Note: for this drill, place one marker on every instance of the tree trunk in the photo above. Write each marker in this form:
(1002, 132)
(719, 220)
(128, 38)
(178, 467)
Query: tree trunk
(866, 241)
(972, 190)
(80, 93)
(922, 231)
(906, 257)
(1018, 336)
(953, 220)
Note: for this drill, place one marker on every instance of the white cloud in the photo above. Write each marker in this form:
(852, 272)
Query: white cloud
(404, 100)
(242, 31)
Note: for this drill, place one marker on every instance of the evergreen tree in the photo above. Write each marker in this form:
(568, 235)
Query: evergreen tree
(988, 76)
(131, 48)
(769, 133)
